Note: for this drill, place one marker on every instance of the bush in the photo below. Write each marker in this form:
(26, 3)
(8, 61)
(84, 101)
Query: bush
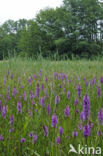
(85, 49)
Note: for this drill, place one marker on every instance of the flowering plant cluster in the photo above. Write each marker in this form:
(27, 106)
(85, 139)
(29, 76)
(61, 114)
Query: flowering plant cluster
(43, 115)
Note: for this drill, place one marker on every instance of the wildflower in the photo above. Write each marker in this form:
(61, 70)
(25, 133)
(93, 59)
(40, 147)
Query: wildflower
(34, 76)
(33, 103)
(35, 110)
(79, 90)
(37, 91)
(46, 79)
(42, 101)
(42, 86)
(47, 96)
(99, 133)
(78, 78)
(92, 82)
(58, 140)
(75, 134)
(80, 126)
(24, 96)
(54, 121)
(101, 79)
(30, 113)
(0, 106)
(45, 128)
(29, 81)
(4, 111)
(35, 137)
(11, 130)
(11, 119)
(67, 111)
(21, 86)
(31, 134)
(98, 91)
(8, 88)
(31, 95)
(86, 131)
(60, 130)
(12, 76)
(19, 106)
(1, 138)
(86, 83)
(40, 74)
(81, 115)
(57, 100)
(90, 124)
(84, 78)
(76, 102)
(14, 91)
(22, 140)
(100, 117)
(68, 94)
(65, 76)
(8, 97)
(55, 74)
(4, 81)
(48, 109)
(77, 111)
(86, 107)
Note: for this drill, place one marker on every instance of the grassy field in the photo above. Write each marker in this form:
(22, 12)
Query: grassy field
(47, 105)
(71, 68)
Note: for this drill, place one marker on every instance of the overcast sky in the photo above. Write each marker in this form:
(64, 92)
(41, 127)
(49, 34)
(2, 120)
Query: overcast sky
(16, 9)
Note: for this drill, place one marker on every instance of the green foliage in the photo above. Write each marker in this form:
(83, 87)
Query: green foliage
(86, 49)
(75, 28)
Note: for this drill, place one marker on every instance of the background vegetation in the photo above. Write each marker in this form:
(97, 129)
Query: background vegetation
(74, 29)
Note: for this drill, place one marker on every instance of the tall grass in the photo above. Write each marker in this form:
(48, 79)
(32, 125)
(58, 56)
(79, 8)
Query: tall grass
(19, 65)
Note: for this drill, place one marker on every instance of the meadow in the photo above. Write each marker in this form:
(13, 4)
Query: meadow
(46, 106)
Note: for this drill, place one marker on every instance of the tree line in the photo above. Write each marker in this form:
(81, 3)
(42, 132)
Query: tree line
(75, 28)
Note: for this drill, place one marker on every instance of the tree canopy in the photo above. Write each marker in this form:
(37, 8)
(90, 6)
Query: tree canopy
(75, 28)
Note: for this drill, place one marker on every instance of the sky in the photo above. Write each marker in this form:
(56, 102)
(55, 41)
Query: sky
(18, 9)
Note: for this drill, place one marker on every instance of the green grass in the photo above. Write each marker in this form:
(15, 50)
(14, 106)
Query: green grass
(77, 67)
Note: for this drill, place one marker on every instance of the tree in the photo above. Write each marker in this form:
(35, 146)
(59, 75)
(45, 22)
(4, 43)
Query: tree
(86, 14)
